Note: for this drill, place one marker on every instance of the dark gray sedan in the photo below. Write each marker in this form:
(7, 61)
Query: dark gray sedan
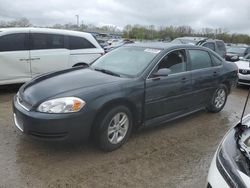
(134, 85)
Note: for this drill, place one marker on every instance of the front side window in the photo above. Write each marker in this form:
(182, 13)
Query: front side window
(199, 59)
(209, 45)
(79, 43)
(13, 42)
(175, 61)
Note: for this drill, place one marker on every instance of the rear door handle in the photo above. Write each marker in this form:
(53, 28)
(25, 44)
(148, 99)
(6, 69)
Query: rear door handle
(32, 59)
(184, 79)
(24, 59)
(215, 73)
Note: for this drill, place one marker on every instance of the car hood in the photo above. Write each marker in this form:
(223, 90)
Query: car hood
(57, 83)
(243, 65)
(230, 54)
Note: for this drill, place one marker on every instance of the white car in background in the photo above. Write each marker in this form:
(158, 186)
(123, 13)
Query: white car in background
(244, 70)
(28, 52)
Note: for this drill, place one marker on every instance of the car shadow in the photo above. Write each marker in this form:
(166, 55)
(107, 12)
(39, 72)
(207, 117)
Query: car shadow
(12, 88)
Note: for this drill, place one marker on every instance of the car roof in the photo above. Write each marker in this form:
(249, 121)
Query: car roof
(43, 30)
(160, 45)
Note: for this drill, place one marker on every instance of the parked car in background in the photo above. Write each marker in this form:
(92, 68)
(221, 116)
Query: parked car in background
(184, 40)
(244, 70)
(29, 52)
(117, 45)
(235, 52)
(102, 42)
(113, 41)
(134, 85)
(214, 44)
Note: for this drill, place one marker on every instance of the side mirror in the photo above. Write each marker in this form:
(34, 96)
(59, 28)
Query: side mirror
(162, 72)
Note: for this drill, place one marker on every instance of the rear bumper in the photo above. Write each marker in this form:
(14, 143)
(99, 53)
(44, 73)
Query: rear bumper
(73, 126)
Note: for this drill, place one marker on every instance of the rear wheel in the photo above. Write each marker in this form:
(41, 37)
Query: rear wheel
(218, 100)
(114, 128)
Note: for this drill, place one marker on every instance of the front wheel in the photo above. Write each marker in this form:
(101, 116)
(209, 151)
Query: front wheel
(218, 100)
(114, 128)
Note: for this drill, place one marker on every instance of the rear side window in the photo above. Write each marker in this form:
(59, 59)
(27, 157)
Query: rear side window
(209, 45)
(199, 59)
(47, 41)
(248, 50)
(221, 45)
(79, 43)
(14, 42)
(217, 61)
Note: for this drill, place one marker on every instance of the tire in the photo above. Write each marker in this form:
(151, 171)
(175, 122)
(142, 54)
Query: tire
(114, 128)
(218, 99)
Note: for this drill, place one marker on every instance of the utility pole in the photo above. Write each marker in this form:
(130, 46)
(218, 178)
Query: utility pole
(77, 20)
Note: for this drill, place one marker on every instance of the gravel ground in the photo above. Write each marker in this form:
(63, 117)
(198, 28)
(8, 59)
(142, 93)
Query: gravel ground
(175, 155)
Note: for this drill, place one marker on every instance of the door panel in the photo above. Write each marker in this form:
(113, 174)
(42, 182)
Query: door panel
(204, 82)
(14, 67)
(43, 61)
(168, 95)
(204, 76)
(14, 58)
(172, 93)
(48, 53)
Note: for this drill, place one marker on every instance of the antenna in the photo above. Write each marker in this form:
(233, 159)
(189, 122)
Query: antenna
(245, 106)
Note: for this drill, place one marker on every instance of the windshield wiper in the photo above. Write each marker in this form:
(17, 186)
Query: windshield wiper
(107, 72)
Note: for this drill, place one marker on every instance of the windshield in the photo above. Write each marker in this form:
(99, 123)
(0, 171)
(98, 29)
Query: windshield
(247, 56)
(127, 61)
(236, 50)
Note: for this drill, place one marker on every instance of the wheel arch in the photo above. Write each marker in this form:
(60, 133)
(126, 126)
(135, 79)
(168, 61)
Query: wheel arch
(116, 102)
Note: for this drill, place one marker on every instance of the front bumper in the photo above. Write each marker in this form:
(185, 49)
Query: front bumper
(244, 79)
(71, 126)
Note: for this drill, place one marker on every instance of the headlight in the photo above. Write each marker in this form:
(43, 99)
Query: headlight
(235, 57)
(62, 105)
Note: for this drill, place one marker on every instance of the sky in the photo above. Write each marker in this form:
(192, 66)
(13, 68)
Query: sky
(232, 15)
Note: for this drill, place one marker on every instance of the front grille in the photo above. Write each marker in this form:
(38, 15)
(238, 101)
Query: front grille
(244, 71)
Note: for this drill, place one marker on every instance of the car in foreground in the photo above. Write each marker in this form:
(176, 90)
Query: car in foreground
(230, 166)
(244, 70)
(235, 52)
(28, 52)
(134, 85)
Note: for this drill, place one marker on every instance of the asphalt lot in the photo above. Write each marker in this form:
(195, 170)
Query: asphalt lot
(175, 155)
